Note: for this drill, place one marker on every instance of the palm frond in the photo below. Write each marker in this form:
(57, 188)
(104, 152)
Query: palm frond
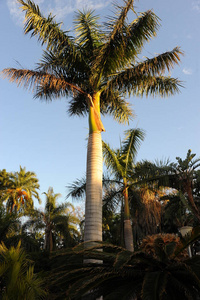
(111, 160)
(109, 55)
(131, 144)
(114, 104)
(65, 65)
(154, 285)
(112, 199)
(47, 30)
(141, 30)
(78, 105)
(131, 82)
(160, 63)
(41, 82)
(125, 41)
(88, 32)
(77, 189)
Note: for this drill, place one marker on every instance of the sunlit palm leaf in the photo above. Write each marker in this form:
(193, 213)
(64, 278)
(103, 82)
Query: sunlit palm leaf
(88, 32)
(33, 79)
(47, 29)
(125, 42)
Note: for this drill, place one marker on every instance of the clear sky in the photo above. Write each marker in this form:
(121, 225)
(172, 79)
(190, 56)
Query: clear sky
(44, 139)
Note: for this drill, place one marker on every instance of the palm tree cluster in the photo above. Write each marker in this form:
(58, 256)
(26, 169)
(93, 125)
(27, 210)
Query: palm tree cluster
(28, 235)
(96, 66)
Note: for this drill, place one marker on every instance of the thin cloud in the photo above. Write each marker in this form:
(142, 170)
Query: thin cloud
(15, 11)
(187, 71)
(59, 8)
(196, 5)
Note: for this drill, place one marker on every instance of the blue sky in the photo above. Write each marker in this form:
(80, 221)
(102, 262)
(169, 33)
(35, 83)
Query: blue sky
(44, 139)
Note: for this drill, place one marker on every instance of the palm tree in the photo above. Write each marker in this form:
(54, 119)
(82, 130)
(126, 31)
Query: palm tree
(96, 69)
(181, 176)
(18, 190)
(57, 222)
(10, 226)
(121, 162)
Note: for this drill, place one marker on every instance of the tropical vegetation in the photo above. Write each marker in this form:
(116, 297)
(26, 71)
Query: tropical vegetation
(96, 68)
(145, 204)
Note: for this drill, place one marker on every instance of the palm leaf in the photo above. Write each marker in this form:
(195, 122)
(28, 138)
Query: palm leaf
(78, 105)
(125, 42)
(154, 285)
(34, 79)
(108, 55)
(47, 29)
(160, 63)
(88, 32)
(130, 145)
(132, 82)
(111, 159)
(114, 104)
(77, 189)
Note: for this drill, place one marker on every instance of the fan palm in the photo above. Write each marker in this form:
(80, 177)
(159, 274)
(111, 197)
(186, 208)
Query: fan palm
(57, 222)
(96, 69)
(18, 190)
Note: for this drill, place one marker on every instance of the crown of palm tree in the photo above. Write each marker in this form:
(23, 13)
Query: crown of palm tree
(97, 58)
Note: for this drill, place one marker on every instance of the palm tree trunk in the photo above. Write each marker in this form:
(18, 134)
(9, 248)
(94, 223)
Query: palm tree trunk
(93, 206)
(188, 189)
(128, 233)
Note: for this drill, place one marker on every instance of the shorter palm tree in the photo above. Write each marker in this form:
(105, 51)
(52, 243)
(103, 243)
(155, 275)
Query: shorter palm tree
(58, 224)
(182, 178)
(121, 162)
(18, 189)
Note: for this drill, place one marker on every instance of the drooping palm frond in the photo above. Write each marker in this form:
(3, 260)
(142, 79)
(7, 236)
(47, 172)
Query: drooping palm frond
(125, 275)
(77, 189)
(35, 79)
(114, 104)
(64, 65)
(78, 106)
(112, 199)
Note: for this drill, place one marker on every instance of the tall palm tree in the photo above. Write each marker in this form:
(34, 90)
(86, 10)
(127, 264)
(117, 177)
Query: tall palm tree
(121, 162)
(96, 68)
(56, 220)
(19, 189)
